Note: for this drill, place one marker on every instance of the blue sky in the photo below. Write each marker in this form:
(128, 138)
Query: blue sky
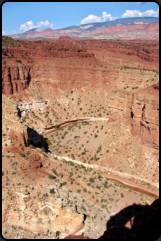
(18, 17)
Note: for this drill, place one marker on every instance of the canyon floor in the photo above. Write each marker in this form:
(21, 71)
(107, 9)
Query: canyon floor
(97, 170)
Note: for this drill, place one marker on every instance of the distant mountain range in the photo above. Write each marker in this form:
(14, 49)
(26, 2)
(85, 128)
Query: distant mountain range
(125, 28)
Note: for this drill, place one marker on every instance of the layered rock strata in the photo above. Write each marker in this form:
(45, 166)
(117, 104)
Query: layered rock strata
(15, 79)
(139, 111)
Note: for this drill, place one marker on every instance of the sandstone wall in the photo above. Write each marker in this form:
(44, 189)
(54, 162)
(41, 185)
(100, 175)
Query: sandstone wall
(119, 107)
(15, 78)
(140, 112)
(83, 68)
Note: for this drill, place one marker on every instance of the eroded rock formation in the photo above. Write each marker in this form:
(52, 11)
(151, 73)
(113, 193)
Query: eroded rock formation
(15, 79)
(140, 111)
(145, 224)
(51, 82)
(38, 218)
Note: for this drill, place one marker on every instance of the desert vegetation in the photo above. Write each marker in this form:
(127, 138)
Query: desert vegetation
(64, 139)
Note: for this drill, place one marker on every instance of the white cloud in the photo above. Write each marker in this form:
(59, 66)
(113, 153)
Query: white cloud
(14, 32)
(132, 13)
(136, 13)
(93, 18)
(3, 32)
(27, 26)
(151, 13)
(44, 24)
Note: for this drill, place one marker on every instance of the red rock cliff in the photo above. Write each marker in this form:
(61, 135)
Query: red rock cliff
(15, 78)
(140, 111)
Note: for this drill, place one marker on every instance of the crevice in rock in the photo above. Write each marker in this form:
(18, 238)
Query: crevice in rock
(10, 81)
(132, 114)
(19, 112)
(16, 87)
(143, 110)
(85, 216)
(25, 142)
(28, 78)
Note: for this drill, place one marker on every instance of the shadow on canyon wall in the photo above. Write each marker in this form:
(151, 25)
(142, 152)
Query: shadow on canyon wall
(36, 140)
(145, 224)
(143, 220)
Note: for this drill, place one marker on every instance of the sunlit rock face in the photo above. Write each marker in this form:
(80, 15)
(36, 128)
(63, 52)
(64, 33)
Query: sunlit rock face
(39, 217)
(78, 116)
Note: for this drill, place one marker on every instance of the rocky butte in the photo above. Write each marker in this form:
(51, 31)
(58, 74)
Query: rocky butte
(80, 138)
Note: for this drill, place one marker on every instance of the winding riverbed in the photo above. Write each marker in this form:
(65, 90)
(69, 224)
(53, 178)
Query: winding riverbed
(127, 183)
(112, 174)
(56, 127)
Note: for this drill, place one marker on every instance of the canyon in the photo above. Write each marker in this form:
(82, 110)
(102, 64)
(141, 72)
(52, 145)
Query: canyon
(77, 116)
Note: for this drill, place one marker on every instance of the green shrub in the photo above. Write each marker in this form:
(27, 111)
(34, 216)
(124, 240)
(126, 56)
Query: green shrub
(91, 179)
(21, 154)
(52, 177)
(18, 61)
(48, 142)
(56, 127)
(105, 184)
(55, 172)
(84, 209)
(103, 206)
(45, 195)
(78, 190)
(52, 191)
(57, 233)
(72, 155)
(96, 158)
(122, 195)
(43, 149)
(99, 187)
(99, 176)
